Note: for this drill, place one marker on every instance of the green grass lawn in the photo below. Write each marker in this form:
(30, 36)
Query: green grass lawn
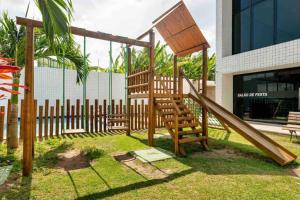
(244, 174)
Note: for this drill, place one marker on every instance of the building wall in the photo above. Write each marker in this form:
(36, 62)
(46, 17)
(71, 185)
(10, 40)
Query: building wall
(280, 56)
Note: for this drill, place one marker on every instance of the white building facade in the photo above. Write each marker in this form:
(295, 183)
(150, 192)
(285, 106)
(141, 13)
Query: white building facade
(258, 58)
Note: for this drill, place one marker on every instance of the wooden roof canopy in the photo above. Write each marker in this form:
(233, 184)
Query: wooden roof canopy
(180, 31)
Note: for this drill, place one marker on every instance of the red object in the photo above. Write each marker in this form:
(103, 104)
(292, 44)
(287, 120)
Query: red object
(9, 91)
(13, 85)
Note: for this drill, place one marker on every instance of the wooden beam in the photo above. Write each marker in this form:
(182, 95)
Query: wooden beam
(87, 33)
(167, 12)
(204, 91)
(128, 91)
(28, 101)
(152, 116)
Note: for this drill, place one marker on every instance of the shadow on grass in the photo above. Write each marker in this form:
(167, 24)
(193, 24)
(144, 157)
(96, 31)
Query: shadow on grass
(135, 186)
(248, 161)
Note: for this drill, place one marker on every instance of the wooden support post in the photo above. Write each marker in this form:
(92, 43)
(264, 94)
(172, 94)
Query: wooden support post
(28, 101)
(204, 92)
(128, 91)
(180, 84)
(57, 118)
(151, 129)
(175, 75)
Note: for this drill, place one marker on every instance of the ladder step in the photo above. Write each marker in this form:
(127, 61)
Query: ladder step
(173, 113)
(169, 107)
(191, 132)
(167, 101)
(191, 139)
(185, 125)
(179, 118)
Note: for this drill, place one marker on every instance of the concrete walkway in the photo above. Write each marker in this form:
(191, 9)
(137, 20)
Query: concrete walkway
(269, 128)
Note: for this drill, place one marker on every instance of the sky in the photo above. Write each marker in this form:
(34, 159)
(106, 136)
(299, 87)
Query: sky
(128, 18)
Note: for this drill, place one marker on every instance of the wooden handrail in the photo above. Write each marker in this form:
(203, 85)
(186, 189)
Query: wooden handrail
(139, 73)
(178, 112)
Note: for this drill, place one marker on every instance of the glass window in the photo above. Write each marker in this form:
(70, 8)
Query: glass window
(263, 24)
(288, 20)
(242, 31)
(241, 5)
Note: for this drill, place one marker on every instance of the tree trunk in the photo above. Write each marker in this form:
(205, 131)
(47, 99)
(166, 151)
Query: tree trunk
(12, 127)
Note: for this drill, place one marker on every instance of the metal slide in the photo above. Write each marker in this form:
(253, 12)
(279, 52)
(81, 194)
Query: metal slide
(277, 152)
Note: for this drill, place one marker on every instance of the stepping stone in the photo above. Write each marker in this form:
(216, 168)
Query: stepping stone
(4, 173)
(152, 155)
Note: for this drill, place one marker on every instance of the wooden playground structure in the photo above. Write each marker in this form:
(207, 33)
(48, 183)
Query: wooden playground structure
(165, 97)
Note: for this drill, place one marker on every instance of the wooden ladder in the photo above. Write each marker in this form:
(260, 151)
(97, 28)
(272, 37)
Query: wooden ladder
(180, 122)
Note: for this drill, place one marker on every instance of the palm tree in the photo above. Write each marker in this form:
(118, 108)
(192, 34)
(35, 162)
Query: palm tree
(53, 40)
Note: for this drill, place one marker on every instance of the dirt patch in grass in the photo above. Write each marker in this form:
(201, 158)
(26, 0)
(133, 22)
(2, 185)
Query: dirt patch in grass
(72, 160)
(144, 169)
(9, 183)
(217, 153)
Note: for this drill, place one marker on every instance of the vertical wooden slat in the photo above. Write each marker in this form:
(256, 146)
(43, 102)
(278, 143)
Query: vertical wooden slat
(121, 111)
(73, 117)
(135, 115)
(34, 119)
(143, 114)
(82, 116)
(68, 114)
(117, 112)
(46, 118)
(100, 118)
(96, 115)
(132, 117)
(87, 115)
(77, 113)
(62, 119)
(139, 117)
(51, 121)
(112, 110)
(40, 123)
(57, 117)
(104, 115)
(92, 119)
(146, 116)
(2, 115)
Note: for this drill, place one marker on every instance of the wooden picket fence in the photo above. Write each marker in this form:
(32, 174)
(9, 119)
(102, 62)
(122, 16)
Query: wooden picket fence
(49, 120)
